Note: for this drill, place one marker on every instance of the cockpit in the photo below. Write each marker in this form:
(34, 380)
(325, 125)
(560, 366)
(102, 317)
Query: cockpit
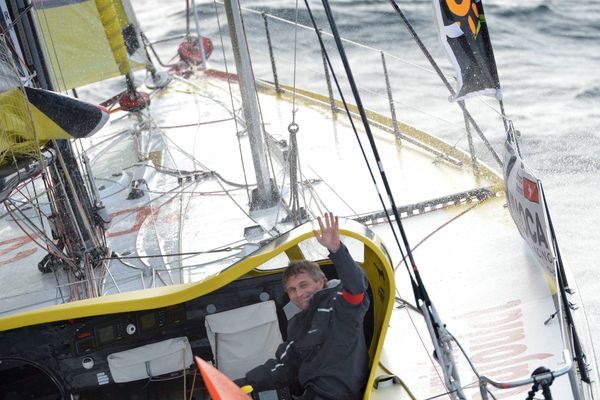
(234, 320)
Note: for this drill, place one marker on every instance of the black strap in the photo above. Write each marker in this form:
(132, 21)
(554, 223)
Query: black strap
(544, 383)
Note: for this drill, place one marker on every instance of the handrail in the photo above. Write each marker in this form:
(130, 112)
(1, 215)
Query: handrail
(484, 380)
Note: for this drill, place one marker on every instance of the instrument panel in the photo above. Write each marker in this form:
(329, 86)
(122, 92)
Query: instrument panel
(100, 334)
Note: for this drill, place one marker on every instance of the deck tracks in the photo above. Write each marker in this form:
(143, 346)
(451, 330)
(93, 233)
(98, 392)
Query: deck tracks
(456, 199)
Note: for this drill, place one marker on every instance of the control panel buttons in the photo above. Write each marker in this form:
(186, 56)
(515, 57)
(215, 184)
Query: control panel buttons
(131, 329)
(87, 363)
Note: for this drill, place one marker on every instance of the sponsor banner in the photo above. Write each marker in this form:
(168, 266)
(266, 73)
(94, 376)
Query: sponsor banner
(526, 205)
(463, 31)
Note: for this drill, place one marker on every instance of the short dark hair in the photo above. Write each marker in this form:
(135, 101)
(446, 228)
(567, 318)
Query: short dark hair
(299, 266)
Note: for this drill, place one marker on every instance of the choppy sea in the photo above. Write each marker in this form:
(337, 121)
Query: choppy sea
(548, 58)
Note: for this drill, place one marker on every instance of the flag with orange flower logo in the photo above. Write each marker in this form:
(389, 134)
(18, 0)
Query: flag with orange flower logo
(464, 35)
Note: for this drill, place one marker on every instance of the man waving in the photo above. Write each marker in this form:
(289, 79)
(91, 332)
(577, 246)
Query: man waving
(325, 351)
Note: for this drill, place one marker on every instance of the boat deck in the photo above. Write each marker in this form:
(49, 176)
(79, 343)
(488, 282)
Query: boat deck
(185, 156)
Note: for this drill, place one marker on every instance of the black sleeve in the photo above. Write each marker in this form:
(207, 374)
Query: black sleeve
(352, 276)
(282, 369)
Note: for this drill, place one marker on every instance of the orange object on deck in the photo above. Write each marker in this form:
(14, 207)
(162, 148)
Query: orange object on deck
(219, 386)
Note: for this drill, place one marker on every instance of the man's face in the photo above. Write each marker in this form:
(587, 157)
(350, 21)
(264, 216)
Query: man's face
(301, 287)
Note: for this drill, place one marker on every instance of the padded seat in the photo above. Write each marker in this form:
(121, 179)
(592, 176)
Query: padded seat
(243, 338)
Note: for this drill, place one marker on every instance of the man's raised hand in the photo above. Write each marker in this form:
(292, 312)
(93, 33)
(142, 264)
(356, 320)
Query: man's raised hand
(330, 233)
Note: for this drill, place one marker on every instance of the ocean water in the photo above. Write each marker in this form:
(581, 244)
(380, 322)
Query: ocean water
(548, 59)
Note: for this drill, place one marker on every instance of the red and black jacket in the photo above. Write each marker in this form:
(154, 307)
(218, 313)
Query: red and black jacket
(325, 349)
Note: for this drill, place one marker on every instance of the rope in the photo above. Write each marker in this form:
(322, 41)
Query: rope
(43, 43)
(293, 165)
(115, 256)
(436, 230)
(462, 350)
(294, 66)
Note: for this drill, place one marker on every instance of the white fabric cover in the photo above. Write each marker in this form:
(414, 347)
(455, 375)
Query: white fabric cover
(244, 337)
(151, 360)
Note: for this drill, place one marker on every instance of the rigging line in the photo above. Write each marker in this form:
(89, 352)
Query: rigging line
(437, 396)
(463, 351)
(36, 151)
(60, 71)
(183, 174)
(187, 19)
(182, 211)
(304, 181)
(436, 230)
(351, 121)
(113, 279)
(162, 136)
(153, 217)
(210, 193)
(147, 204)
(361, 45)
(334, 191)
(319, 203)
(58, 287)
(50, 246)
(410, 107)
(491, 107)
(448, 392)
(181, 268)
(580, 356)
(237, 129)
(404, 386)
(80, 151)
(295, 65)
(194, 124)
(247, 214)
(83, 211)
(93, 145)
(433, 363)
(29, 200)
(189, 253)
(14, 23)
(461, 104)
(197, 104)
(281, 203)
(302, 176)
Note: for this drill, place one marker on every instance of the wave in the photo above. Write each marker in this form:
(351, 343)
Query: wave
(524, 11)
(589, 93)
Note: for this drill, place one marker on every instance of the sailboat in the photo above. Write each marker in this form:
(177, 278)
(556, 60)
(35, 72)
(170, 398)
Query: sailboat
(132, 246)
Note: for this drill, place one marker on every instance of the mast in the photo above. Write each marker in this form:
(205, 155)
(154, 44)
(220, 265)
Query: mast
(264, 196)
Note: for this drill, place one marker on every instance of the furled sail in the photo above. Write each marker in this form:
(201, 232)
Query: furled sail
(30, 117)
(527, 206)
(464, 35)
(87, 41)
